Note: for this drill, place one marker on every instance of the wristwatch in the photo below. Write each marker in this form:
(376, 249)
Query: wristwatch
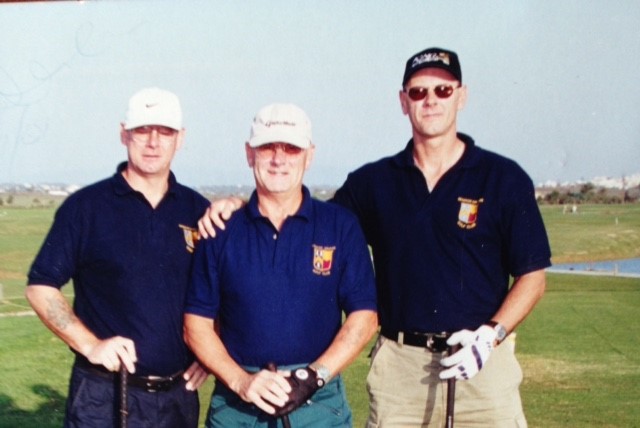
(321, 371)
(501, 332)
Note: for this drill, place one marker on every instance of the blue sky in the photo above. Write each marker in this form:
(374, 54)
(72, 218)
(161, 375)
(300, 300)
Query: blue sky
(552, 84)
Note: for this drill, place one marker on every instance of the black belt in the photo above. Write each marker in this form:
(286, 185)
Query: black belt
(434, 342)
(147, 383)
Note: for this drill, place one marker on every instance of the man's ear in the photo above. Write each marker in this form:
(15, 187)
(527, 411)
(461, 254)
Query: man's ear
(403, 102)
(124, 135)
(251, 154)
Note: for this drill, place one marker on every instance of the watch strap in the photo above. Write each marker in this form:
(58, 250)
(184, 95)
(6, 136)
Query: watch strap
(321, 371)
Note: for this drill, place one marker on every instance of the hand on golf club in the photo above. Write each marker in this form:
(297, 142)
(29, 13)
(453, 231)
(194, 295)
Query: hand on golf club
(112, 352)
(304, 383)
(476, 349)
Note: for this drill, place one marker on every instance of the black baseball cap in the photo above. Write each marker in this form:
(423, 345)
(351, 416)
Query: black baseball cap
(433, 58)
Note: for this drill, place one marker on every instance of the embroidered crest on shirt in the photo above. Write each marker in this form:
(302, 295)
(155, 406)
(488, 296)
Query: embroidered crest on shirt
(322, 259)
(190, 237)
(468, 214)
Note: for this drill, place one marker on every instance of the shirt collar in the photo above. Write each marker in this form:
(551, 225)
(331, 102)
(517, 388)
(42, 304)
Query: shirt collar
(121, 187)
(470, 157)
(305, 210)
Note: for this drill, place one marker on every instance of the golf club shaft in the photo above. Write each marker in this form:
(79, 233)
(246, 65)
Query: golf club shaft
(451, 397)
(285, 421)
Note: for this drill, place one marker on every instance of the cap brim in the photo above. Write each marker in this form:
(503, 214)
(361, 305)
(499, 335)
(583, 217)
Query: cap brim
(278, 136)
(441, 66)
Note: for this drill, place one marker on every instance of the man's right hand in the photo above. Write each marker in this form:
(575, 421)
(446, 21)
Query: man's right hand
(217, 214)
(111, 352)
(264, 389)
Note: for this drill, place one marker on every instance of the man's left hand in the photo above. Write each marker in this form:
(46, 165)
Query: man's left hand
(195, 376)
(476, 349)
(304, 383)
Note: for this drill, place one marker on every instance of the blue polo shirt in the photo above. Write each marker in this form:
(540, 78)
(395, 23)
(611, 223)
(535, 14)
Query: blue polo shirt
(279, 296)
(443, 258)
(129, 264)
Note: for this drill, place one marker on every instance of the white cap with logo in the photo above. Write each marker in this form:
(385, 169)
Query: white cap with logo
(284, 123)
(154, 106)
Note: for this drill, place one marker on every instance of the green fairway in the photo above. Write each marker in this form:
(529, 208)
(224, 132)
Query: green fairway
(580, 348)
(593, 233)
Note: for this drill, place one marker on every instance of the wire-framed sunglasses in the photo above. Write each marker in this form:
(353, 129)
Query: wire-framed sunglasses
(418, 93)
(269, 149)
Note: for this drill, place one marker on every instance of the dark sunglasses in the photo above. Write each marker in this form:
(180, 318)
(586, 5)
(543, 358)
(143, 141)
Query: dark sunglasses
(420, 93)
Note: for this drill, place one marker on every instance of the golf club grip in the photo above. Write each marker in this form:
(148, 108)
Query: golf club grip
(451, 392)
(124, 411)
(272, 367)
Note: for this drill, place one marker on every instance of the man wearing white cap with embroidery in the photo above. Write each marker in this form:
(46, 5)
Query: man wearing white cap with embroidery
(127, 243)
(271, 289)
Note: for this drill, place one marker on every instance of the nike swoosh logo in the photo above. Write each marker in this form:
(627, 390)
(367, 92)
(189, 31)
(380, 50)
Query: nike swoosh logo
(151, 105)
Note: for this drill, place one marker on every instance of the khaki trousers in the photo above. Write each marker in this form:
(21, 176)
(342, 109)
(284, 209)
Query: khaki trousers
(405, 390)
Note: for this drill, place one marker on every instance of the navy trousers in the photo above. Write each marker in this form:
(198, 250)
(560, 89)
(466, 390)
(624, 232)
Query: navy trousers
(93, 402)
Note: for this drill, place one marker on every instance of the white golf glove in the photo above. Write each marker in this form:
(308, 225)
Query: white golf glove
(476, 349)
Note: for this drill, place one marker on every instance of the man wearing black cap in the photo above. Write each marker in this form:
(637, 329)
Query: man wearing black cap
(449, 223)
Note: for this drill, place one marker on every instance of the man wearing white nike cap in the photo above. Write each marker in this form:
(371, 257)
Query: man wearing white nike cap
(126, 242)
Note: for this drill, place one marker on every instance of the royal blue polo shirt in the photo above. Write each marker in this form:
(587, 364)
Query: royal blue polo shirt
(279, 296)
(129, 264)
(443, 258)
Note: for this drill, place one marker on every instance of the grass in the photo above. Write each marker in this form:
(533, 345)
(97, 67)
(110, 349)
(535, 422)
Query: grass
(580, 348)
(594, 233)
(580, 352)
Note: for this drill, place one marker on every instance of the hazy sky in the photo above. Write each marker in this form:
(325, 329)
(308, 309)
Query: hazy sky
(553, 84)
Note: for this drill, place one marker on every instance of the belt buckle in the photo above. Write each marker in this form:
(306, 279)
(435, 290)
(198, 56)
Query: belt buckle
(157, 384)
(435, 342)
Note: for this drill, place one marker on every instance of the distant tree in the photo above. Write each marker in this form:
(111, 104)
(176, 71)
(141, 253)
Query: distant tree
(9, 199)
(1, 202)
(552, 197)
(587, 188)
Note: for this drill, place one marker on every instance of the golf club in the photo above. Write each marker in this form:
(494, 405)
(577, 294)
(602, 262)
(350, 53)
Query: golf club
(451, 392)
(285, 419)
(124, 410)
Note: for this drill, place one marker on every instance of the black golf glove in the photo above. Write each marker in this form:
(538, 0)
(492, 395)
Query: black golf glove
(304, 383)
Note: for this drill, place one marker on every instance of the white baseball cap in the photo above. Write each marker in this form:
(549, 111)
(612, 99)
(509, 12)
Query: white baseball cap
(154, 106)
(286, 123)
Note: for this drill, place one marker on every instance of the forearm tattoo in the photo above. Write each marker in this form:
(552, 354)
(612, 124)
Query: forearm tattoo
(59, 313)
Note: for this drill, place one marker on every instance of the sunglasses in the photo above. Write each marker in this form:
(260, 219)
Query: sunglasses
(418, 93)
(270, 149)
(143, 134)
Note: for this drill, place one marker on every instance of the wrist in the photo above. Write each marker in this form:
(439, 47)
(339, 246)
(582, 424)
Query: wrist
(501, 331)
(321, 371)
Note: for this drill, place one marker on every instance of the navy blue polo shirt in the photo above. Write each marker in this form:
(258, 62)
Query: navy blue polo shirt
(279, 296)
(129, 264)
(443, 258)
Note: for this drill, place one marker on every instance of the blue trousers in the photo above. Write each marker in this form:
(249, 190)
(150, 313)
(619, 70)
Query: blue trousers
(93, 402)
